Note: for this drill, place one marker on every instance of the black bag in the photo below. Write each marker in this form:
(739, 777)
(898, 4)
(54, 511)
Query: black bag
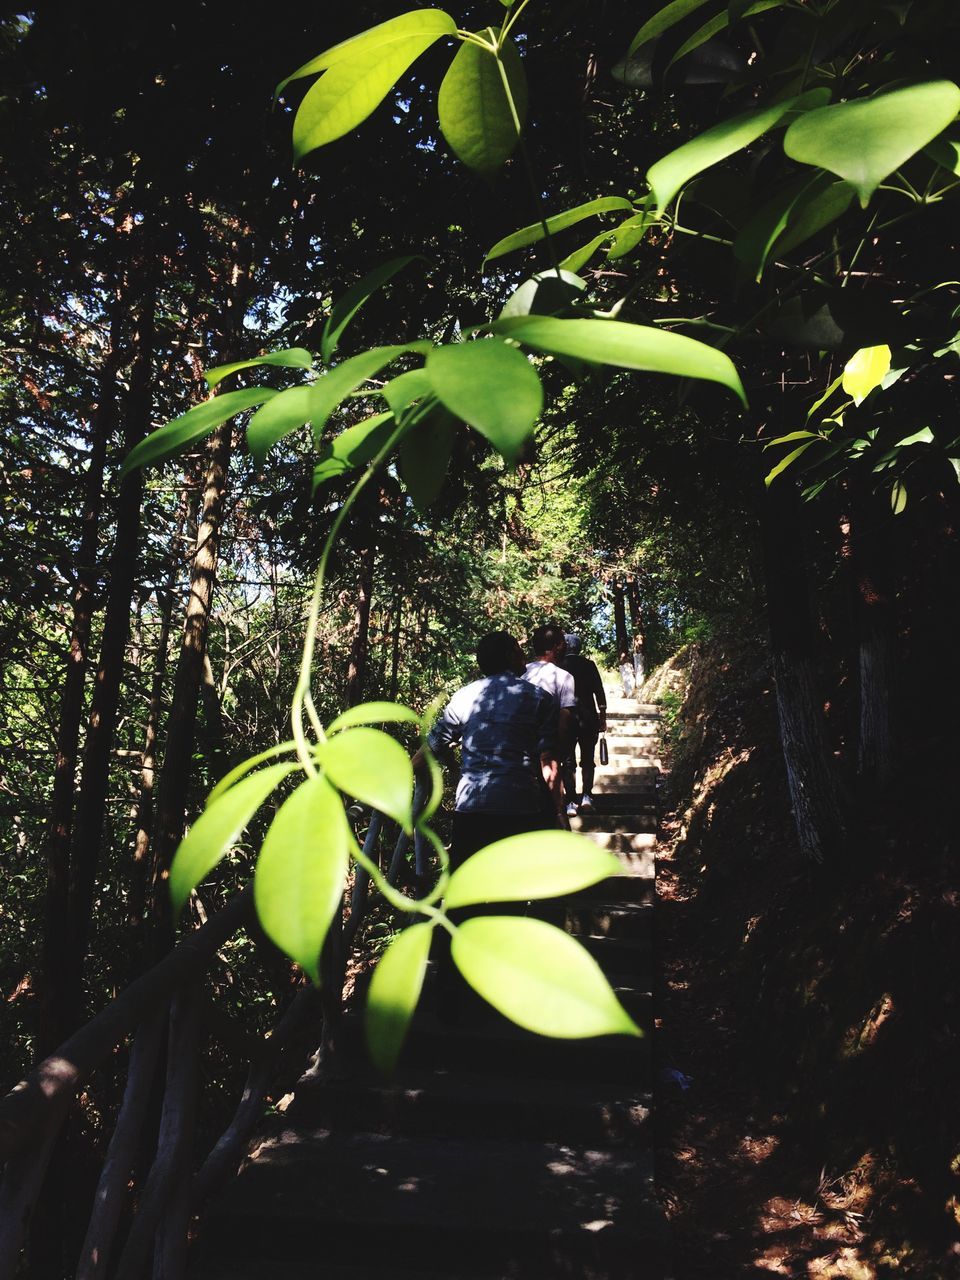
(604, 753)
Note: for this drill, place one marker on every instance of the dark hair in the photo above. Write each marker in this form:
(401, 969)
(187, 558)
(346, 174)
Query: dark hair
(547, 637)
(496, 652)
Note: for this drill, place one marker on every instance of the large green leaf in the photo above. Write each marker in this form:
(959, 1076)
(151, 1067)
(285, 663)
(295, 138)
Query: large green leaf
(556, 222)
(333, 387)
(289, 358)
(418, 22)
(539, 977)
(192, 426)
(394, 991)
(543, 294)
(800, 209)
(218, 827)
(540, 864)
(719, 23)
(347, 306)
(628, 346)
(353, 448)
(580, 257)
(786, 461)
(301, 871)
(628, 235)
(353, 88)
(373, 713)
(668, 175)
(374, 769)
(401, 392)
(865, 141)
(946, 152)
(663, 20)
(865, 371)
(425, 456)
(277, 418)
(492, 386)
(239, 771)
(475, 113)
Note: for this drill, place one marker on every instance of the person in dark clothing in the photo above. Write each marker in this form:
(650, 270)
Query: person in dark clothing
(591, 722)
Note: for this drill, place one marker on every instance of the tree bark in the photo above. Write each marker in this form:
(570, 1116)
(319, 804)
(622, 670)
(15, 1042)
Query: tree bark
(877, 639)
(360, 647)
(818, 807)
(620, 619)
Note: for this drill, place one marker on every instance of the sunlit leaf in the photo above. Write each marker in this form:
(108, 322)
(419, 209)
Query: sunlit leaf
(287, 411)
(782, 465)
(333, 387)
(418, 22)
(394, 992)
(374, 769)
(628, 235)
(627, 346)
(867, 140)
(580, 257)
(865, 370)
(218, 827)
(923, 436)
(663, 20)
(353, 448)
(803, 207)
(192, 426)
(546, 292)
(668, 175)
(539, 864)
(289, 358)
(898, 498)
(490, 385)
(354, 87)
(946, 152)
(373, 713)
(475, 113)
(425, 456)
(539, 977)
(720, 23)
(556, 222)
(401, 391)
(301, 870)
(247, 766)
(347, 306)
(790, 437)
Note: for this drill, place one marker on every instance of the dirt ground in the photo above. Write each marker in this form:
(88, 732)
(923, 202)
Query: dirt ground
(808, 1052)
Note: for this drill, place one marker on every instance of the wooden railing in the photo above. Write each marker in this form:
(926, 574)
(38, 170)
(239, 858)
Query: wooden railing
(161, 1011)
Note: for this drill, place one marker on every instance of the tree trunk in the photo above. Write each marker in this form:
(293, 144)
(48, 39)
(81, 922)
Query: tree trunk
(818, 809)
(360, 648)
(877, 639)
(620, 620)
(54, 1022)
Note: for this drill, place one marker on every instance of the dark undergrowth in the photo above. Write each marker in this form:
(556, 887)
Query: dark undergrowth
(809, 1122)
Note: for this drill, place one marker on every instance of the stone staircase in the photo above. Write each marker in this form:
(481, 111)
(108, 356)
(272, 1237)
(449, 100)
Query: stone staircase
(494, 1154)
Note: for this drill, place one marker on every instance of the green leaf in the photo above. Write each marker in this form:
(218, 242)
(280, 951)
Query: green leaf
(418, 22)
(865, 141)
(277, 418)
(475, 113)
(718, 24)
(490, 385)
(246, 766)
(923, 436)
(628, 346)
(556, 222)
(353, 448)
(353, 88)
(289, 358)
(663, 20)
(804, 206)
(668, 175)
(539, 977)
(790, 437)
(540, 864)
(425, 456)
(580, 257)
(300, 874)
(782, 465)
(628, 235)
(864, 371)
(374, 769)
(196, 423)
(347, 306)
(898, 498)
(373, 713)
(394, 991)
(333, 387)
(945, 152)
(544, 293)
(218, 827)
(405, 388)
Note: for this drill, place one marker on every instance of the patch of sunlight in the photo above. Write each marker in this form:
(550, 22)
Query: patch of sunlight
(845, 1264)
(864, 1035)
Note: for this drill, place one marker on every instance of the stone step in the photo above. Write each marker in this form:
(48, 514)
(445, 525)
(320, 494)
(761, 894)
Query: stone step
(636, 850)
(463, 1105)
(643, 822)
(629, 889)
(488, 1210)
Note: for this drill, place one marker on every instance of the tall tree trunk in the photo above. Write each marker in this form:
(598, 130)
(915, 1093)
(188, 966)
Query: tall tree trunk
(54, 1023)
(620, 619)
(360, 647)
(124, 564)
(818, 808)
(877, 638)
(395, 643)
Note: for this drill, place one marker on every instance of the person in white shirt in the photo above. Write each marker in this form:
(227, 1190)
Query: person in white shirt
(549, 647)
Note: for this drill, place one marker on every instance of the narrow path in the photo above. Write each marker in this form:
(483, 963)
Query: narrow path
(496, 1153)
